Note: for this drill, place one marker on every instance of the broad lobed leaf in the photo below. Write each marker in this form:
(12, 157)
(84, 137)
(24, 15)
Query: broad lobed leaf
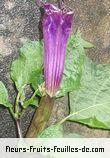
(27, 69)
(90, 104)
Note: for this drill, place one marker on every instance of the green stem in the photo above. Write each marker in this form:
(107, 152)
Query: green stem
(34, 94)
(12, 112)
(17, 103)
(65, 119)
(18, 118)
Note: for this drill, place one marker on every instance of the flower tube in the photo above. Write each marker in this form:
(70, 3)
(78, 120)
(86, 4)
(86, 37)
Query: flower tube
(57, 25)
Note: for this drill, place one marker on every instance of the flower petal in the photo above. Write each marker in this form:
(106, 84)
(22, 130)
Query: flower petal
(56, 30)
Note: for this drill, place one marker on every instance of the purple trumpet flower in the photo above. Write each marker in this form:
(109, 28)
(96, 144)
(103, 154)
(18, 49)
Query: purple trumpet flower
(57, 25)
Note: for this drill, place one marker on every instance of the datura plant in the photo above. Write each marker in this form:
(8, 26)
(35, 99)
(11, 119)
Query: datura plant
(54, 67)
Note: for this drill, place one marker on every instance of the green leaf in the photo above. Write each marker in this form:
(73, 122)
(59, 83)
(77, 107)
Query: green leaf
(54, 131)
(73, 65)
(4, 96)
(31, 101)
(90, 104)
(27, 69)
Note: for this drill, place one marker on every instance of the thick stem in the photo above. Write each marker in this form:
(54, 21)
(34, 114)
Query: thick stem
(41, 117)
(18, 128)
